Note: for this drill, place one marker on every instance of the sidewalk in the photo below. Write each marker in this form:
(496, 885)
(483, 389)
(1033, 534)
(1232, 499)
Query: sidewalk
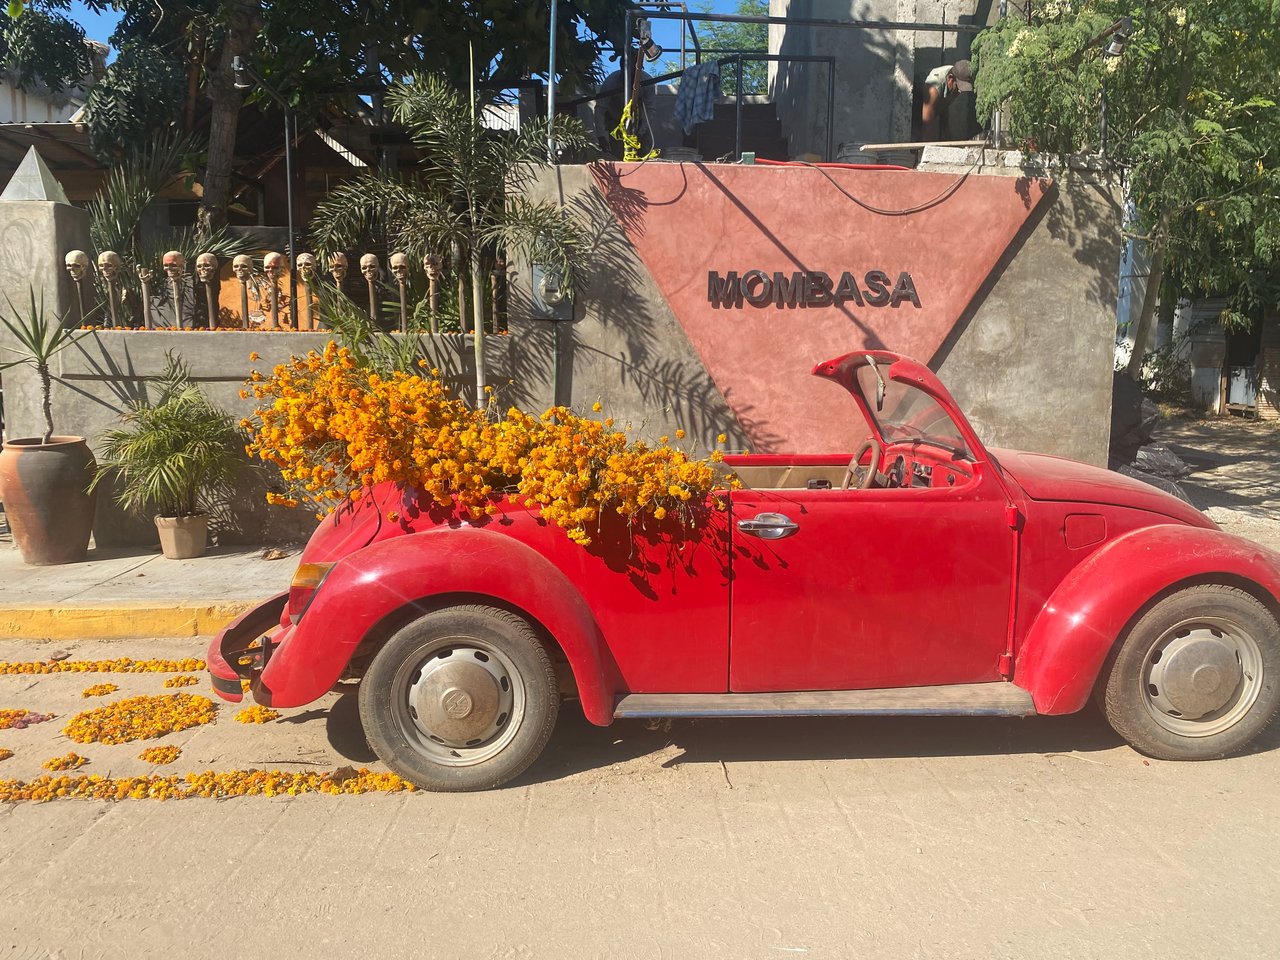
(135, 592)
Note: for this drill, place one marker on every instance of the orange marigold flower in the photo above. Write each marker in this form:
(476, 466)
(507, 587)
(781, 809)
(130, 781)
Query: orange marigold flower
(71, 761)
(160, 755)
(257, 714)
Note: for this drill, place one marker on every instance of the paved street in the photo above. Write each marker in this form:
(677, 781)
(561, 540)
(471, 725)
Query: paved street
(820, 838)
(738, 839)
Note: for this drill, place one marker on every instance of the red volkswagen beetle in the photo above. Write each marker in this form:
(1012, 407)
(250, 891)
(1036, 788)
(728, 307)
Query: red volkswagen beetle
(921, 574)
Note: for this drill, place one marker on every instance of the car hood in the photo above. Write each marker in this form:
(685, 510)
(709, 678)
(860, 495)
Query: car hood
(1043, 477)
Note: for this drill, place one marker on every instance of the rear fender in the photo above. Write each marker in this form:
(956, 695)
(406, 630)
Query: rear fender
(1064, 651)
(380, 581)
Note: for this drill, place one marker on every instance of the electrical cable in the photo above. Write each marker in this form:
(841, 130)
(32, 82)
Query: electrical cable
(940, 198)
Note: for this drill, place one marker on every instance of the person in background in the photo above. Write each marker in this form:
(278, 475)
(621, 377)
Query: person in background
(948, 111)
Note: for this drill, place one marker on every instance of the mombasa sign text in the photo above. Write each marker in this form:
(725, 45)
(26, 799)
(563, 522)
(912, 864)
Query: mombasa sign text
(809, 288)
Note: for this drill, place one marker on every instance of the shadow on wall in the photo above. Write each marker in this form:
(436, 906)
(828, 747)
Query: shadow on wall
(1025, 187)
(623, 341)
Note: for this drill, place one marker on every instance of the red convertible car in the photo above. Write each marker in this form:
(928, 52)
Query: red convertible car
(920, 574)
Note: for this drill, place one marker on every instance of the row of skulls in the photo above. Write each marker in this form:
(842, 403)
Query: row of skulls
(273, 264)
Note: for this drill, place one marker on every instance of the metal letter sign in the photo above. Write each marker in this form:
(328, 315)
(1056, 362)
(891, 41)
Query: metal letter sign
(809, 288)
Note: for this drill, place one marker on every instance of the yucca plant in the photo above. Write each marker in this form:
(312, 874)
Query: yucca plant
(172, 456)
(37, 341)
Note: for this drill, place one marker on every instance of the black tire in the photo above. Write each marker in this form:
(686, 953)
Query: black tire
(1196, 634)
(486, 662)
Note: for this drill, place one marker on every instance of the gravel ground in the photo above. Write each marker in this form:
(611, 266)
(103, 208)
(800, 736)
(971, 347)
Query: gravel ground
(1235, 472)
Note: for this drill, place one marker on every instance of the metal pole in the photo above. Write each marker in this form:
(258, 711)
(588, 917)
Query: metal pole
(831, 109)
(288, 176)
(626, 58)
(551, 84)
(737, 131)
(788, 21)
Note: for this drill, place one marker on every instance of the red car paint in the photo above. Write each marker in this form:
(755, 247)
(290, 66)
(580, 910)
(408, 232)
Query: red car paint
(975, 566)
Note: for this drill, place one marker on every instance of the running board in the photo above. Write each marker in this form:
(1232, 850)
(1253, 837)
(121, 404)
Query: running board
(998, 699)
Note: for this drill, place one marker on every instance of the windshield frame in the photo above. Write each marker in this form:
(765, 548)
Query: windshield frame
(891, 368)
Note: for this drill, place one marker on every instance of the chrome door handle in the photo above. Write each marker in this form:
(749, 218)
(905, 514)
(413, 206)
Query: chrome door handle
(769, 526)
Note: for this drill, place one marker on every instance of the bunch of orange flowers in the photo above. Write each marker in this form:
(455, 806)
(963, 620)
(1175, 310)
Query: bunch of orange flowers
(141, 718)
(335, 428)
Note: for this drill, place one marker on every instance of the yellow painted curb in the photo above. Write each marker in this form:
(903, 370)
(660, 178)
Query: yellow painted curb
(130, 622)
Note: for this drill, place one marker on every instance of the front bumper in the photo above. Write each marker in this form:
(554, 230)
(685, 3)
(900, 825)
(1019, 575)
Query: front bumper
(242, 649)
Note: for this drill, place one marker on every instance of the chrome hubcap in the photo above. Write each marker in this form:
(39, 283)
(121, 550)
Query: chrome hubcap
(1202, 676)
(461, 703)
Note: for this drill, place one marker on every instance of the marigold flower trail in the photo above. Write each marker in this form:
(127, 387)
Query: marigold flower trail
(257, 714)
(99, 690)
(185, 680)
(5, 754)
(122, 665)
(141, 718)
(209, 784)
(335, 428)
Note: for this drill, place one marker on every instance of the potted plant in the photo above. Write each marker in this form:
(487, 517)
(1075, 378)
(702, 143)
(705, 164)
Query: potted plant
(44, 481)
(172, 457)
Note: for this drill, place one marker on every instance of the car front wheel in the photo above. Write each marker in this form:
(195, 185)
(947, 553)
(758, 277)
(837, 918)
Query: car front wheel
(1197, 677)
(464, 698)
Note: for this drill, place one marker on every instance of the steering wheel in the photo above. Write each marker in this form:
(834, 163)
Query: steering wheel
(877, 453)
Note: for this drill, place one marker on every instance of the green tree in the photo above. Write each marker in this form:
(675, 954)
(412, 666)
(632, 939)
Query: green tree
(466, 202)
(735, 36)
(323, 55)
(1191, 119)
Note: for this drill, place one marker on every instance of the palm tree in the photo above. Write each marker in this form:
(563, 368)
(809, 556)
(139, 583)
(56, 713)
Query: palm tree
(468, 197)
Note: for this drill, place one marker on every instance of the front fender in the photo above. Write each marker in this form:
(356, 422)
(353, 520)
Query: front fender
(1060, 659)
(373, 583)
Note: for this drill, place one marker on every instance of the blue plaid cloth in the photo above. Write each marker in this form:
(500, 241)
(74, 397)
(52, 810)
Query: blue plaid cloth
(697, 93)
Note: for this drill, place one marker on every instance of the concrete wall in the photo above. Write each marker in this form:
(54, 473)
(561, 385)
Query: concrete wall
(625, 347)
(99, 375)
(35, 236)
(1021, 333)
(1031, 361)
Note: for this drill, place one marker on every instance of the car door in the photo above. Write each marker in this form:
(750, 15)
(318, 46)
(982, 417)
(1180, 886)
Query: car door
(883, 587)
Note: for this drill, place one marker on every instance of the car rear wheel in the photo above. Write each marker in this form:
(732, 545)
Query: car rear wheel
(464, 698)
(1197, 677)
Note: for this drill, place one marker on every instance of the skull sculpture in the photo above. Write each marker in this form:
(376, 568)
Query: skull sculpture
(400, 267)
(369, 267)
(431, 264)
(242, 267)
(338, 267)
(109, 264)
(207, 267)
(77, 264)
(307, 267)
(273, 264)
(175, 264)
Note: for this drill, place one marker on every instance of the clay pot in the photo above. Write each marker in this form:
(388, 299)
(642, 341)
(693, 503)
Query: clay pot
(43, 487)
(183, 538)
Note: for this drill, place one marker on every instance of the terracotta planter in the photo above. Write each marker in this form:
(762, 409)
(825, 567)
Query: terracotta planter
(43, 487)
(182, 538)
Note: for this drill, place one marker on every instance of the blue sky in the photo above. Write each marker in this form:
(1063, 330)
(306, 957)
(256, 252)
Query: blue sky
(97, 26)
